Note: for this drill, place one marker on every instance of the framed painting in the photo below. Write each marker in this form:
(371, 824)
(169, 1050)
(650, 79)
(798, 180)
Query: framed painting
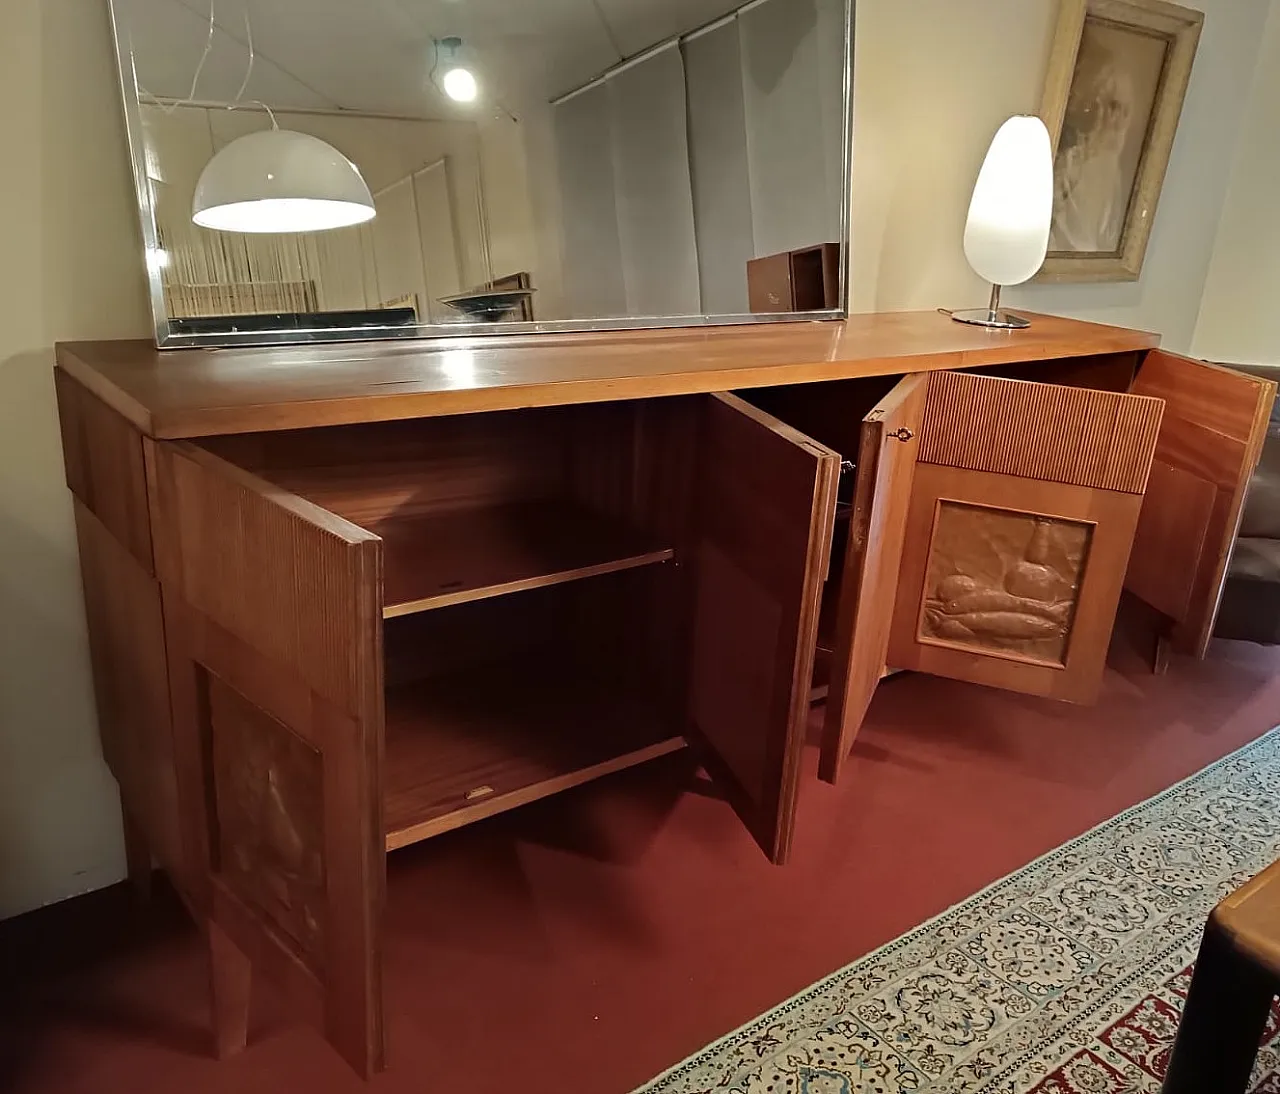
(1118, 75)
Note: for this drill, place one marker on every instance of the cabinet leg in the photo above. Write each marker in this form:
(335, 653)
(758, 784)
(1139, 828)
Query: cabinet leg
(1222, 1022)
(230, 982)
(137, 857)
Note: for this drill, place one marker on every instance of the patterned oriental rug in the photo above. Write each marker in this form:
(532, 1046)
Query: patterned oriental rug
(1067, 977)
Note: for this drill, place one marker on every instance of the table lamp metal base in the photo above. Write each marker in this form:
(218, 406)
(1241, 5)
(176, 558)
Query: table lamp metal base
(992, 316)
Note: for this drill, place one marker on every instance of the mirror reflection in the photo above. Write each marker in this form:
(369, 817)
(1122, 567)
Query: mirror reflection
(561, 163)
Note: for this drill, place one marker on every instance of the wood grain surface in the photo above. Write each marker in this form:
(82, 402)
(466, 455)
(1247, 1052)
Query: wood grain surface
(1211, 438)
(470, 554)
(464, 746)
(1250, 917)
(105, 468)
(131, 687)
(765, 509)
(1113, 515)
(187, 393)
(885, 468)
(1041, 431)
(274, 630)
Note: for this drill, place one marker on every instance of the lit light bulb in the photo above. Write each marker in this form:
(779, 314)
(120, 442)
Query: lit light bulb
(460, 85)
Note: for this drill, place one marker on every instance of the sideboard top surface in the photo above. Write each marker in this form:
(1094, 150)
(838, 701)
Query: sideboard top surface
(202, 392)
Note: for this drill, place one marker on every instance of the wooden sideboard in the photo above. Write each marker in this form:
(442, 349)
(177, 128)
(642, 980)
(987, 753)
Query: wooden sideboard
(344, 598)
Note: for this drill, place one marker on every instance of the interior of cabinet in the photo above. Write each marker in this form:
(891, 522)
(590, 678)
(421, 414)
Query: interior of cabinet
(472, 507)
(1101, 372)
(498, 702)
(532, 603)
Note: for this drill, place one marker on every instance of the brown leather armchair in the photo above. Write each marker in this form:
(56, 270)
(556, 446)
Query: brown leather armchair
(1251, 598)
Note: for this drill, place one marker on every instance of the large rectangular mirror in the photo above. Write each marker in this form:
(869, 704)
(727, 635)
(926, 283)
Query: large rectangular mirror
(620, 163)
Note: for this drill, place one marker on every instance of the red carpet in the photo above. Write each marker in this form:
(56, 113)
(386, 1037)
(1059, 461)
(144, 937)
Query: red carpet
(590, 941)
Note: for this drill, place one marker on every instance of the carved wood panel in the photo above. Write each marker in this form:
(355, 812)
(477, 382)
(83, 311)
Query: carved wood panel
(1062, 662)
(1023, 509)
(268, 797)
(1002, 581)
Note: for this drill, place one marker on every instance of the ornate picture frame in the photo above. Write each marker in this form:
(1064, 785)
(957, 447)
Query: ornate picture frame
(1117, 80)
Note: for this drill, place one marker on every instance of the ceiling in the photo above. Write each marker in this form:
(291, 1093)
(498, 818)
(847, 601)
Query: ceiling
(377, 55)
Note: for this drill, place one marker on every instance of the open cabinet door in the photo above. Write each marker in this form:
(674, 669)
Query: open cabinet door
(764, 509)
(1215, 421)
(1023, 508)
(886, 465)
(273, 623)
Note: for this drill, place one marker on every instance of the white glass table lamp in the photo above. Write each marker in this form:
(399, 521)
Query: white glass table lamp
(1007, 234)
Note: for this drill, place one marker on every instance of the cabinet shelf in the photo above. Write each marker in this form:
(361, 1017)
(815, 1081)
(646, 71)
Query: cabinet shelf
(470, 554)
(466, 746)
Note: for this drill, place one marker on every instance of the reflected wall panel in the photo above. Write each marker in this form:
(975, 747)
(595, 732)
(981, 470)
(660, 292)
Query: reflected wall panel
(718, 168)
(784, 77)
(592, 249)
(654, 196)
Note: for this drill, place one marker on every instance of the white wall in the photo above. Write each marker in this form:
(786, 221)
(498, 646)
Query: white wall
(1240, 314)
(936, 77)
(70, 268)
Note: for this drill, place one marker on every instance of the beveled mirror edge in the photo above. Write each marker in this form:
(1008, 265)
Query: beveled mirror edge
(167, 338)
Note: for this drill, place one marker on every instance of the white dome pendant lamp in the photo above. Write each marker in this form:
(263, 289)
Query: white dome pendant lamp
(1006, 236)
(279, 180)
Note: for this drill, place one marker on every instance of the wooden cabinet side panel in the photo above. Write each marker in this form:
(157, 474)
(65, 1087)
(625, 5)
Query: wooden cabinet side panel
(131, 686)
(1215, 422)
(103, 455)
(275, 648)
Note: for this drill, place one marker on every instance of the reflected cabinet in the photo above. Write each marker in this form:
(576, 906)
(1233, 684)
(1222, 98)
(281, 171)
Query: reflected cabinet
(342, 603)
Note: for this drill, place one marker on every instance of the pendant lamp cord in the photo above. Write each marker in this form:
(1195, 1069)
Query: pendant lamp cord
(208, 48)
(248, 72)
(248, 34)
(169, 108)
